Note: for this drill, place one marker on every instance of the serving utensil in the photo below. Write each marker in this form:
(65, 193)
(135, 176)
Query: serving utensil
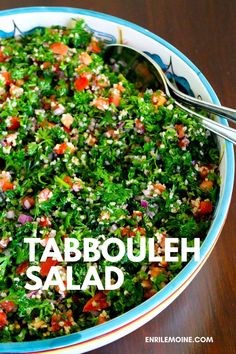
(141, 69)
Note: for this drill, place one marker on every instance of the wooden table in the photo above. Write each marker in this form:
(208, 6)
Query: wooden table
(204, 30)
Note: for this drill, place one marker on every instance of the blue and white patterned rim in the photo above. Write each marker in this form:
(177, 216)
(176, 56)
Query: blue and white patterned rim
(90, 333)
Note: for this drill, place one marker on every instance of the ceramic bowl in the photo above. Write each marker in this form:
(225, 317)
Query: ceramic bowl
(111, 30)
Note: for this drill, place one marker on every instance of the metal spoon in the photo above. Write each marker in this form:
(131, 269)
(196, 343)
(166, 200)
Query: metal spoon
(141, 69)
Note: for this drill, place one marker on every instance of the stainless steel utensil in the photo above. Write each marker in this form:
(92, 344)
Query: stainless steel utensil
(140, 68)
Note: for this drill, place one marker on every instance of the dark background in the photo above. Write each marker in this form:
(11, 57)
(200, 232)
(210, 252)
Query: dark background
(205, 31)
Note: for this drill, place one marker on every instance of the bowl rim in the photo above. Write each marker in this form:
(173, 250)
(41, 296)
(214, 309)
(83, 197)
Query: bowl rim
(133, 315)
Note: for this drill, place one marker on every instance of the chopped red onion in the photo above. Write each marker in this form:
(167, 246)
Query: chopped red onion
(24, 218)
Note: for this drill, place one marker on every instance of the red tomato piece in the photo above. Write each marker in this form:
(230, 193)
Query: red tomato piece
(7, 77)
(46, 65)
(22, 268)
(139, 230)
(28, 202)
(101, 103)
(115, 99)
(159, 187)
(204, 171)
(206, 185)
(125, 231)
(183, 142)
(206, 207)
(139, 126)
(5, 184)
(44, 221)
(59, 48)
(2, 57)
(94, 47)
(8, 306)
(3, 319)
(68, 180)
(56, 318)
(180, 130)
(46, 266)
(44, 195)
(14, 123)
(149, 293)
(59, 320)
(81, 83)
(60, 149)
(96, 303)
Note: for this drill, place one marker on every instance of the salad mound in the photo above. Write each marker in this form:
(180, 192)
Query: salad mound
(83, 153)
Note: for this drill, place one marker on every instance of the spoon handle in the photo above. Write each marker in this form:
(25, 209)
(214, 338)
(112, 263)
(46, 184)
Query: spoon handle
(225, 112)
(215, 127)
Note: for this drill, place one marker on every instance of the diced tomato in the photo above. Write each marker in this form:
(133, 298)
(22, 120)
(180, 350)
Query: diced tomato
(85, 58)
(101, 103)
(204, 171)
(180, 130)
(137, 215)
(16, 91)
(44, 221)
(46, 266)
(158, 99)
(3, 319)
(183, 142)
(60, 320)
(5, 184)
(111, 133)
(146, 284)
(22, 268)
(91, 140)
(136, 230)
(119, 87)
(28, 202)
(59, 48)
(115, 98)
(2, 57)
(149, 293)
(68, 180)
(96, 303)
(8, 306)
(155, 271)
(102, 318)
(56, 67)
(158, 187)
(46, 65)
(164, 264)
(44, 195)
(7, 77)
(60, 149)
(94, 47)
(206, 207)
(81, 83)
(139, 126)
(125, 231)
(14, 123)
(206, 185)
(55, 322)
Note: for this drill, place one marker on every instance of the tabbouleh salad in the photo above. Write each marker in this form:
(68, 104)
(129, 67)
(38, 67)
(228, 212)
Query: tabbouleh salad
(83, 153)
